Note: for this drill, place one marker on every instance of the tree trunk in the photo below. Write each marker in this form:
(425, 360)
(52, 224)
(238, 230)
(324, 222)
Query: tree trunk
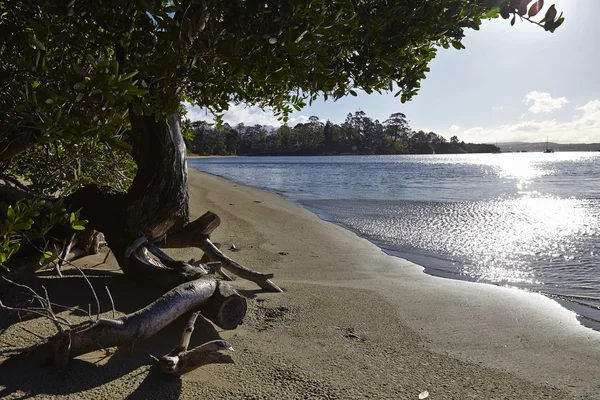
(157, 201)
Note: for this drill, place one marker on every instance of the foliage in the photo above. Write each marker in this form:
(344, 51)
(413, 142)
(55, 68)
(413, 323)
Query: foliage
(77, 68)
(521, 8)
(30, 220)
(359, 134)
(61, 168)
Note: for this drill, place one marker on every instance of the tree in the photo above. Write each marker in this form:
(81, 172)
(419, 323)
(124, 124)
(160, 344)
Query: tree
(111, 76)
(328, 135)
(396, 127)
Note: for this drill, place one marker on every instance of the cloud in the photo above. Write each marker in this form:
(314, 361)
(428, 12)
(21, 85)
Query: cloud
(542, 102)
(242, 114)
(455, 128)
(583, 127)
(498, 108)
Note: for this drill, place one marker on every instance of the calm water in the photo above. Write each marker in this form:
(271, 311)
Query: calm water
(529, 220)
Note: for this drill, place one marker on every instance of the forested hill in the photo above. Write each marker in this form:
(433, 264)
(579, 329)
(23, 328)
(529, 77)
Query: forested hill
(359, 134)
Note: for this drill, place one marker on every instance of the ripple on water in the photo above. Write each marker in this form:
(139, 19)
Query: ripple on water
(537, 243)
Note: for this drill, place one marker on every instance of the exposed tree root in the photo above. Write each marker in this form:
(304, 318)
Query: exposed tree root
(196, 234)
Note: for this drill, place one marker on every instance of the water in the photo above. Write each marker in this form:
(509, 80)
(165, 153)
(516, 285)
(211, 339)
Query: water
(526, 220)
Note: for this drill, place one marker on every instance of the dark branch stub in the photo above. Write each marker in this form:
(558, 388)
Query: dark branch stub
(180, 361)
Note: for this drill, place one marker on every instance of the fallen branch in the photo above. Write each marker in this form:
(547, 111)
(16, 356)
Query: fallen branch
(180, 361)
(226, 309)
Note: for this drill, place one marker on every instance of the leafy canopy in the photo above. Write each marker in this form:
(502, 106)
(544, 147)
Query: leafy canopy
(76, 68)
(72, 71)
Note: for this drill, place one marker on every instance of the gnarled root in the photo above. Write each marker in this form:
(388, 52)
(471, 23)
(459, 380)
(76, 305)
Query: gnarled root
(196, 234)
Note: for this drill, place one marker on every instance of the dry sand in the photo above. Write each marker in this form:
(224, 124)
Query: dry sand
(352, 323)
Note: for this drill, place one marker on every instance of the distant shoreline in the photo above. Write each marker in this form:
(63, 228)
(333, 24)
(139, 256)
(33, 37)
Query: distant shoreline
(355, 154)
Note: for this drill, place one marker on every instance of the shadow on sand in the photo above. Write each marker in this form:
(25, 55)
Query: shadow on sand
(18, 374)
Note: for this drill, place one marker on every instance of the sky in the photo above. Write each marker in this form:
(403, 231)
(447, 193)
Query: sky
(515, 83)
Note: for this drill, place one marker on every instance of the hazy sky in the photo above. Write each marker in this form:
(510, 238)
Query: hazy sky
(510, 84)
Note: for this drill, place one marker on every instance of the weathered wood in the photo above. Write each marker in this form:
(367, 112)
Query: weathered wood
(157, 201)
(142, 324)
(226, 307)
(188, 236)
(208, 353)
(261, 279)
(213, 266)
(195, 234)
(187, 333)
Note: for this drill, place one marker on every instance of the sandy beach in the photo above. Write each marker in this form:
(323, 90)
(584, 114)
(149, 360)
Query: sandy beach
(353, 323)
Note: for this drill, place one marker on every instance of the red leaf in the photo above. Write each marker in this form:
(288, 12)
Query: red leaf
(536, 8)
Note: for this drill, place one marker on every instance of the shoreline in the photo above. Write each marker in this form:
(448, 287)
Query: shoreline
(417, 258)
(472, 321)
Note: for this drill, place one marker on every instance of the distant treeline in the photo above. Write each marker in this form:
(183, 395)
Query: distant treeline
(359, 134)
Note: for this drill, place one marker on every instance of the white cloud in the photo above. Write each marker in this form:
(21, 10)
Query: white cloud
(454, 128)
(542, 102)
(584, 127)
(242, 114)
(498, 108)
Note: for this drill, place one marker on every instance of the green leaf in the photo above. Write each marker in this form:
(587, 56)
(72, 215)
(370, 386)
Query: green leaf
(80, 71)
(38, 28)
(78, 227)
(91, 59)
(493, 13)
(10, 213)
(353, 93)
(458, 45)
(122, 144)
(72, 218)
(550, 14)
(47, 254)
(12, 249)
(23, 226)
(35, 42)
(128, 76)
(559, 22)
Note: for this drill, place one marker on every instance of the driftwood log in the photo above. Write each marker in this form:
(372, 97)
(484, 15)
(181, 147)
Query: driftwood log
(226, 309)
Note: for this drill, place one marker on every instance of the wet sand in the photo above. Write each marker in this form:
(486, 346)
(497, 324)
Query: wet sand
(353, 323)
